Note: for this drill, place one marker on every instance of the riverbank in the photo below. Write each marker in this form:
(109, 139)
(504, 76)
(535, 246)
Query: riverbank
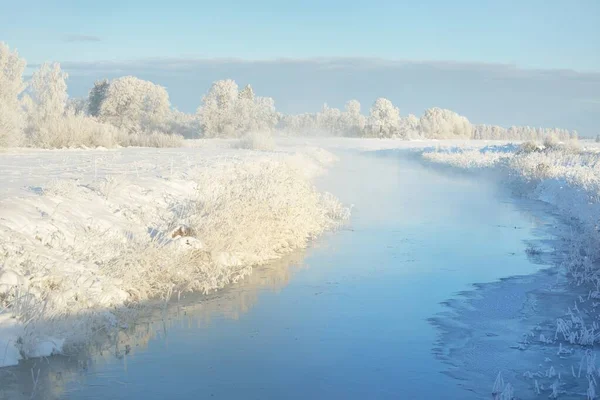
(92, 235)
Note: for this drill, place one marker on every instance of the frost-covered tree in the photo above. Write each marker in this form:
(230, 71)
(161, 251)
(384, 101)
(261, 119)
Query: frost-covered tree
(352, 121)
(97, 96)
(265, 116)
(247, 93)
(328, 120)
(49, 90)
(218, 109)
(525, 133)
(489, 132)
(179, 123)
(132, 104)
(56, 122)
(253, 113)
(300, 124)
(409, 127)
(228, 112)
(11, 87)
(384, 119)
(77, 106)
(47, 106)
(438, 123)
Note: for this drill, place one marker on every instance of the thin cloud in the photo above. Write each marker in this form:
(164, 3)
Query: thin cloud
(348, 64)
(72, 38)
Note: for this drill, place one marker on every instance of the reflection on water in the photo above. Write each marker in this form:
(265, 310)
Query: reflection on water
(50, 378)
(352, 326)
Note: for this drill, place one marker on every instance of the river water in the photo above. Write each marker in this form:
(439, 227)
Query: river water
(346, 319)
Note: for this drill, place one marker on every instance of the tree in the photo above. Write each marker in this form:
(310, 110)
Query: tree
(384, 119)
(217, 112)
(247, 93)
(409, 127)
(228, 112)
(11, 87)
(97, 96)
(264, 116)
(352, 121)
(49, 89)
(328, 120)
(438, 123)
(77, 106)
(132, 104)
(49, 126)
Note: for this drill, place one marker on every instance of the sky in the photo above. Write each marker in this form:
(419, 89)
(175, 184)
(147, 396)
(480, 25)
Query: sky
(417, 53)
(561, 34)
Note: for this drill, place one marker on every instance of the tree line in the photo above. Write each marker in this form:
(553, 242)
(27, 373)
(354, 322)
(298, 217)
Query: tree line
(129, 111)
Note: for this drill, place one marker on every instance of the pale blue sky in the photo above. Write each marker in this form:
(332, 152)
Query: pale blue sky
(545, 34)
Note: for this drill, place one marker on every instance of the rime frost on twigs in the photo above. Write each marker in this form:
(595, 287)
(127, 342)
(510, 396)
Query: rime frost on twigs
(11, 83)
(500, 390)
(591, 391)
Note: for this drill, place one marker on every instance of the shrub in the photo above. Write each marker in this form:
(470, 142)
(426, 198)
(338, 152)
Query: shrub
(551, 141)
(528, 147)
(256, 141)
(154, 139)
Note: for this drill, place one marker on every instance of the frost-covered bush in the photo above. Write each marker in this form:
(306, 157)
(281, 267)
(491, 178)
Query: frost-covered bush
(256, 141)
(151, 139)
(529, 147)
(467, 158)
(78, 264)
(75, 130)
(551, 141)
(248, 225)
(11, 87)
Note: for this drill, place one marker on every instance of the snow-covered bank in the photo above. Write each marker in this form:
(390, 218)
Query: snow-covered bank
(557, 348)
(78, 255)
(565, 176)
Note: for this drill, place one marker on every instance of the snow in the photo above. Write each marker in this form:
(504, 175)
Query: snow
(10, 331)
(87, 234)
